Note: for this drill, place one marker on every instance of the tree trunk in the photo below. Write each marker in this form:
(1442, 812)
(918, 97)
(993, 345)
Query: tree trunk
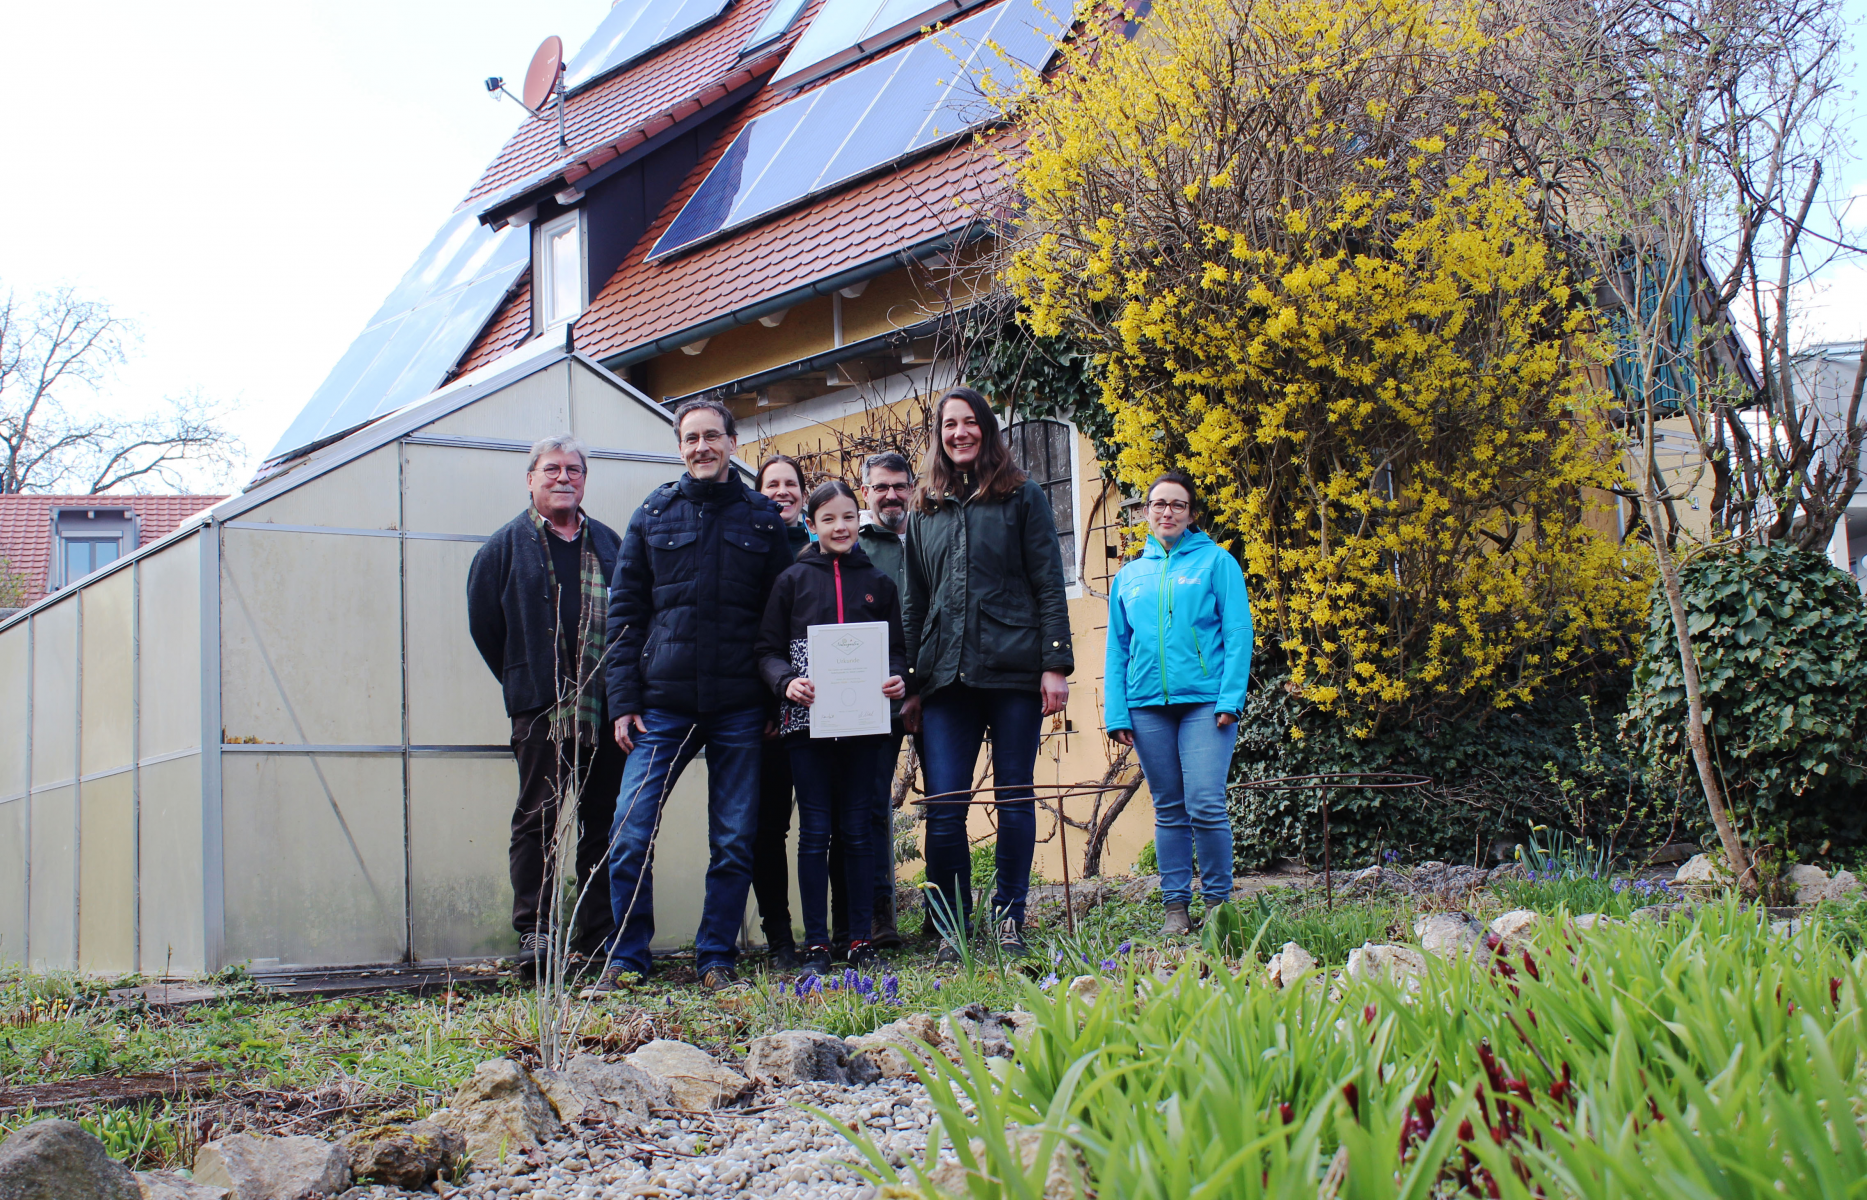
(1695, 701)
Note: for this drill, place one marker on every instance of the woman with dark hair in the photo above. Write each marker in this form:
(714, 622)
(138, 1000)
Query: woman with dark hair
(988, 639)
(781, 480)
(839, 780)
(1179, 655)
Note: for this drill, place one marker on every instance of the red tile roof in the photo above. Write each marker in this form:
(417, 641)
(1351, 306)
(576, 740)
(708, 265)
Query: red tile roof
(616, 112)
(26, 532)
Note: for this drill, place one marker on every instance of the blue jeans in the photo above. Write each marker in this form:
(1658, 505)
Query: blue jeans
(733, 740)
(835, 780)
(1186, 756)
(953, 724)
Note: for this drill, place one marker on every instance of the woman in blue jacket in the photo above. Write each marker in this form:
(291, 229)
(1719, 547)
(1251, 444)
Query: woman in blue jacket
(1179, 653)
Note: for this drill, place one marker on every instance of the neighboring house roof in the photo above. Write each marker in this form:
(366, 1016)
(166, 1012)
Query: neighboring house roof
(26, 529)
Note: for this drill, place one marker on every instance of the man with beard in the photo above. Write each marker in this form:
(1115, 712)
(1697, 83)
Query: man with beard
(887, 483)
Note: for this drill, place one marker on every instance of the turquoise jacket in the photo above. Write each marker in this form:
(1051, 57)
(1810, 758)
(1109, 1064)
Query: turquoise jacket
(1179, 630)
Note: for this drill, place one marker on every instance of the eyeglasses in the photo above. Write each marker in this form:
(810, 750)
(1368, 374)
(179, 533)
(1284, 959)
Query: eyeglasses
(887, 489)
(1163, 507)
(554, 471)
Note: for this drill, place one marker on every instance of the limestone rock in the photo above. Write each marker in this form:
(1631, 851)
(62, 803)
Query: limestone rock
(1063, 1181)
(499, 1110)
(255, 1167)
(985, 1029)
(1506, 871)
(1789, 927)
(1367, 880)
(895, 1047)
(695, 1079)
(58, 1160)
(1086, 988)
(1515, 925)
(614, 1092)
(1292, 962)
(1843, 885)
(1397, 964)
(1701, 868)
(1596, 921)
(1809, 881)
(1018, 1024)
(166, 1185)
(405, 1156)
(1447, 934)
(804, 1056)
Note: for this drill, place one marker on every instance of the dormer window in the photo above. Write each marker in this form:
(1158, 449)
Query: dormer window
(558, 272)
(87, 540)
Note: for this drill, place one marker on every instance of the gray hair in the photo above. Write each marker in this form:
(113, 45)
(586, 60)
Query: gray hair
(563, 442)
(887, 460)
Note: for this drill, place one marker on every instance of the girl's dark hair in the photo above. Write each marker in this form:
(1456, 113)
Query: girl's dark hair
(993, 475)
(827, 492)
(773, 461)
(1178, 479)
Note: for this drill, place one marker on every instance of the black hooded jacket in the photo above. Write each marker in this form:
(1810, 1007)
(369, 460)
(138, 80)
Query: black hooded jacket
(806, 595)
(698, 561)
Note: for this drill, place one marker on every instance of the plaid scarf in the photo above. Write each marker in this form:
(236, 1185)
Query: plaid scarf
(586, 643)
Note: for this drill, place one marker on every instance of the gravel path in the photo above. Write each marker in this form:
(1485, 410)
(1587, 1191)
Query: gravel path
(774, 1149)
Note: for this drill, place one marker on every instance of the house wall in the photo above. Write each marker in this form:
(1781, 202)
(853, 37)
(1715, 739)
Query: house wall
(100, 773)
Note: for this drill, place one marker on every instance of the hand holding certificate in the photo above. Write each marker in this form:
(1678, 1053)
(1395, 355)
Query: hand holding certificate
(848, 669)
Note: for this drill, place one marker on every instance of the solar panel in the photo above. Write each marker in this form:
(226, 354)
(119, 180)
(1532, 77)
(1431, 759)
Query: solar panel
(864, 120)
(632, 29)
(429, 320)
(845, 30)
(778, 18)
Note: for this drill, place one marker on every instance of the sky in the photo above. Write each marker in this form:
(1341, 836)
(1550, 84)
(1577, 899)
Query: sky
(246, 182)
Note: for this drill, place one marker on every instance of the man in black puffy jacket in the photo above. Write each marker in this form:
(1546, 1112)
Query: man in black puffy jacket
(536, 607)
(697, 564)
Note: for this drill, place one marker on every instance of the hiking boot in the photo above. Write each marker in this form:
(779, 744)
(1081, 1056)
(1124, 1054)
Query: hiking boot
(722, 979)
(1011, 939)
(1179, 922)
(863, 954)
(534, 948)
(612, 981)
(784, 959)
(816, 960)
(883, 934)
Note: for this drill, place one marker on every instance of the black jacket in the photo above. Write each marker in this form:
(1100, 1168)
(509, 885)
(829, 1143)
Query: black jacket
(804, 596)
(511, 613)
(983, 601)
(697, 564)
(884, 550)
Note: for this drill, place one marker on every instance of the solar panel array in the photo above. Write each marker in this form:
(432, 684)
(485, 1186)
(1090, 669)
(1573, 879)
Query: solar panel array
(633, 28)
(844, 30)
(866, 119)
(420, 332)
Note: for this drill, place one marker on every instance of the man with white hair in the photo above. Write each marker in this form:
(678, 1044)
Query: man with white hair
(537, 606)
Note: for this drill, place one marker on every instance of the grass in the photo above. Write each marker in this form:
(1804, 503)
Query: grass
(1697, 1057)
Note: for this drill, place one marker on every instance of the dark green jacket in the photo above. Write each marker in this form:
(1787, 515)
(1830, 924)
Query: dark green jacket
(884, 550)
(982, 601)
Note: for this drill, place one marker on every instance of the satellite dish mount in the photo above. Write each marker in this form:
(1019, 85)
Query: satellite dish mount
(544, 79)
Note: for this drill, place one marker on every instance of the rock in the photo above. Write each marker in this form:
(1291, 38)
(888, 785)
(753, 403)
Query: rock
(1509, 871)
(1701, 868)
(1810, 882)
(1515, 925)
(614, 1092)
(1136, 891)
(985, 1029)
(1086, 988)
(1788, 927)
(804, 1056)
(695, 1078)
(1447, 934)
(1397, 964)
(895, 1047)
(255, 1167)
(166, 1185)
(1596, 921)
(1367, 880)
(499, 1110)
(1292, 962)
(1018, 1024)
(58, 1160)
(1843, 885)
(1672, 852)
(405, 1156)
(1062, 1182)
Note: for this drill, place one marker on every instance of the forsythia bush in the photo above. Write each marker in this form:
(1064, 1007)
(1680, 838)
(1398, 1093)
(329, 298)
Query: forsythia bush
(1286, 232)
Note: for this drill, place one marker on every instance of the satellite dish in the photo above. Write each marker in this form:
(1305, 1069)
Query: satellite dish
(541, 78)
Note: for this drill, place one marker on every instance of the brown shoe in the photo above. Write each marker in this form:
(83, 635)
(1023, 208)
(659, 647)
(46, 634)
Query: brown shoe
(1179, 922)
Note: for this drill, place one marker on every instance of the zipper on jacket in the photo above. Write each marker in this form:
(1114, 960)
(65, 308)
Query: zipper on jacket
(836, 568)
(1165, 619)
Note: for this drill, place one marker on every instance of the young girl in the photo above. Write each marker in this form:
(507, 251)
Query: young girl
(837, 779)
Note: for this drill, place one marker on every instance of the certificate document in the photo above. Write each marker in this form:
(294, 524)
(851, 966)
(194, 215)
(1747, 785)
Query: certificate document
(848, 665)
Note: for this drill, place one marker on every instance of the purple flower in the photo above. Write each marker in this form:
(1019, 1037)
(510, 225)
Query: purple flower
(1108, 964)
(1392, 856)
(936, 985)
(832, 984)
(1124, 948)
(1056, 957)
(1049, 982)
(891, 985)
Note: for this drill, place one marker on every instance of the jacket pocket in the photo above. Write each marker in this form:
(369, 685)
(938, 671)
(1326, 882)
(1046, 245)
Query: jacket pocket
(1008, 637)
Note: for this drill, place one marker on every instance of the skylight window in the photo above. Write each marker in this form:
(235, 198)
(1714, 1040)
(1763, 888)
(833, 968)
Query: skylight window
(846, 30)
(634, 28)
(777, 19)
(559, 273)
(871, 117)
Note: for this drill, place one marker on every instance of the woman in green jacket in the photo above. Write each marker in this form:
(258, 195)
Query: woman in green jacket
(988, 647)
